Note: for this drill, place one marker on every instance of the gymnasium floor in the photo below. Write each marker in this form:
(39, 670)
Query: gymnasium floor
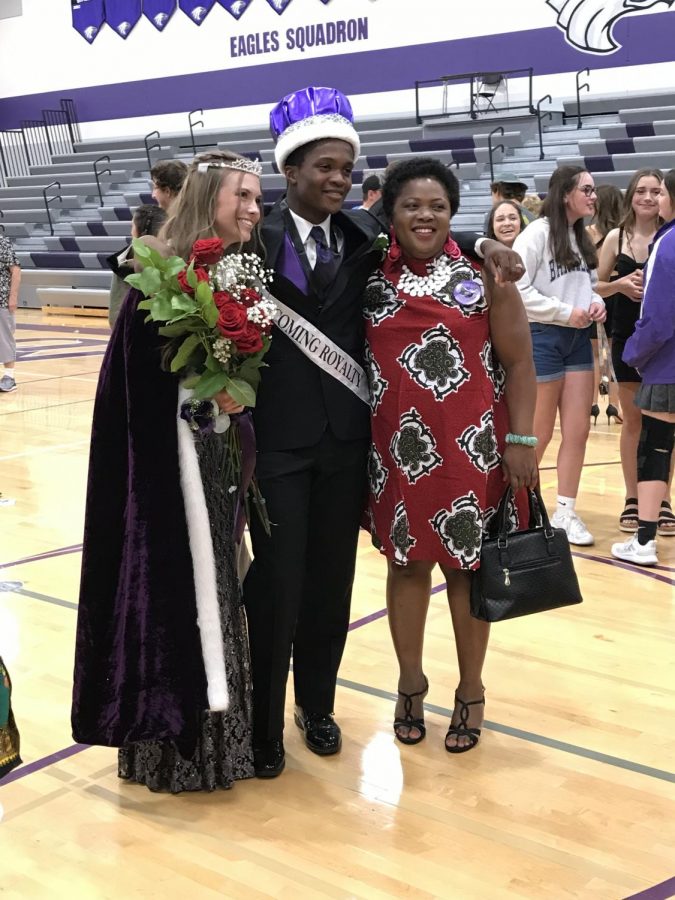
(569, 794)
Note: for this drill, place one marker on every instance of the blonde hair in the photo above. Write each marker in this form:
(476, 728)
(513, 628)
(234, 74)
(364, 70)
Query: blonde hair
(193, 213)
(533, 203)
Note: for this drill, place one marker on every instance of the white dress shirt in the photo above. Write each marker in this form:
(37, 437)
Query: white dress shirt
(304, 227)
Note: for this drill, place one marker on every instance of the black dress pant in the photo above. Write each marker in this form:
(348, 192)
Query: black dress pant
(298, 590)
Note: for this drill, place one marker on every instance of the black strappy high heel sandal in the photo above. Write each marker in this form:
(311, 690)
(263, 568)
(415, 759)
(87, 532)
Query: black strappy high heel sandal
(407, 720)
(462, 730)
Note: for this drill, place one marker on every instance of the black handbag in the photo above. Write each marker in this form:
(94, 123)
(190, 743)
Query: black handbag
(523, 572)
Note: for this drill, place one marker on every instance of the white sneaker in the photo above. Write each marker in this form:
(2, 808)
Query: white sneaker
(7, 384)
(634, 552)
(576, 531)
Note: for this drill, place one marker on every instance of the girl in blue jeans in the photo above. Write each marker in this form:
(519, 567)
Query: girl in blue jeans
(558, 292)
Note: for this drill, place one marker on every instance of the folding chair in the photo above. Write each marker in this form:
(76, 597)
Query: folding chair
(488, 85)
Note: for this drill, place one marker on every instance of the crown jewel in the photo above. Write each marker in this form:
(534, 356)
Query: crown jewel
(252, 166)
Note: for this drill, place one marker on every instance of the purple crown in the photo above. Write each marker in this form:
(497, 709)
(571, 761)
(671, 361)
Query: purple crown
(310, 101)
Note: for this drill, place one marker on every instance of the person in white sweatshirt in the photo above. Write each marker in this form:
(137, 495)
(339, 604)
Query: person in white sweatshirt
(558, 292)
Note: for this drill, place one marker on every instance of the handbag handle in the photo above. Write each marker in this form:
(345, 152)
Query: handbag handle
(538, 515)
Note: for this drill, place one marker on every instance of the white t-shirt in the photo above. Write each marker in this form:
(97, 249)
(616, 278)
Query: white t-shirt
(550, 291)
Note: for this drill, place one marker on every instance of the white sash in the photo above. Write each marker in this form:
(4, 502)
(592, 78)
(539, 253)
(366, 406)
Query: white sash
(322, 351)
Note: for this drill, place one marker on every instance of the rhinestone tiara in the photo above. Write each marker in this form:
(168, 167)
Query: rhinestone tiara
(252, 166)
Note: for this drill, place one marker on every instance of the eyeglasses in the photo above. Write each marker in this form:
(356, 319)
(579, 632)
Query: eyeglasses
(588, 190)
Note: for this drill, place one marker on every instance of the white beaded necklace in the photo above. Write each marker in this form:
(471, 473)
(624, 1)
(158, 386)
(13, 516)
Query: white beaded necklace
(439, 273)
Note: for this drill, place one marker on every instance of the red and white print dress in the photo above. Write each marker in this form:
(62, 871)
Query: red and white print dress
(438, 415)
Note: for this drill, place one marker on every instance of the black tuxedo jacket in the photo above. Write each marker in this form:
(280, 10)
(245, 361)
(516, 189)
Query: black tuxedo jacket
(297, 401)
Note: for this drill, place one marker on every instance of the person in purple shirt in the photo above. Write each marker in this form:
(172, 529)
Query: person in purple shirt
(651, 350)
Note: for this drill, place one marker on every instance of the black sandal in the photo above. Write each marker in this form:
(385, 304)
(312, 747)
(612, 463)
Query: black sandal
(462, 730)
(628, 520)
(407, 720)
(666, 526)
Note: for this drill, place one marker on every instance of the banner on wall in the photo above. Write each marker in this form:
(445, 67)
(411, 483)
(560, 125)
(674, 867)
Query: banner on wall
(197, 10)
(88, 17)
(279, 5)
(237, 8)
(159, 12)
(122, 15)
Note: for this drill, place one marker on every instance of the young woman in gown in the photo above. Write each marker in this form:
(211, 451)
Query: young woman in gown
(152, 676)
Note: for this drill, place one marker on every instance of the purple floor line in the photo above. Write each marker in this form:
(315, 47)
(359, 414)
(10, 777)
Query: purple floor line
(637, 570)
(62, 329)
(661, 891)
(38, 764)
(49, 554)
(372, 617)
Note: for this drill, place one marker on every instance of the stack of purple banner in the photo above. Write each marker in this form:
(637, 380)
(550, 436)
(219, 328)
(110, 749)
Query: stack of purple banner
(122, 15)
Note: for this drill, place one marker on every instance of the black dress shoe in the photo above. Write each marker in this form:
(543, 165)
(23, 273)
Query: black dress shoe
(269, 759)
(322, 732)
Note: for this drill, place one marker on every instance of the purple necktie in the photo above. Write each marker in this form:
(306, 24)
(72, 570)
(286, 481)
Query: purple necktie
(327, 261)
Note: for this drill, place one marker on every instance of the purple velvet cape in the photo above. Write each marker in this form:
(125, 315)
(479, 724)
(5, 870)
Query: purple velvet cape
(139, 672)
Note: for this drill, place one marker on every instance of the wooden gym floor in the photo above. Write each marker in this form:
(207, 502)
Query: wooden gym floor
(569, 794)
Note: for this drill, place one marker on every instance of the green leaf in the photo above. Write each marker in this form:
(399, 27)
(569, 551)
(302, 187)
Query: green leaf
(141, 249)
(207, 306)
(149, 281)
(240, 391)
(181, 325)
(185, 352)
(212, 363)
(209, 384)
(174, 265)
(161, 310)
(183, 303)
(134, 280)
(192, 279)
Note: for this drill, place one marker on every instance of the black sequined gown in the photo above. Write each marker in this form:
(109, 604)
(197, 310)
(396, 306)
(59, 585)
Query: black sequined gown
(224, 751)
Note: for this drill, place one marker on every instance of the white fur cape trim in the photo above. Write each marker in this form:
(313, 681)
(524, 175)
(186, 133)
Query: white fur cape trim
(203, 563)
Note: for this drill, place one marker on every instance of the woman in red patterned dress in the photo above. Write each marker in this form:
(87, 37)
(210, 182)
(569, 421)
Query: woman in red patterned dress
(449, 360)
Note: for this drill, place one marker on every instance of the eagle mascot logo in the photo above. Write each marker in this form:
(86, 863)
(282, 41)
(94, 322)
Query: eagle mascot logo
(588, 24)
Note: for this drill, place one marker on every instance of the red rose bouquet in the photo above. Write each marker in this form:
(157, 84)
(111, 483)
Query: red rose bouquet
(217, 315)
(216, 312)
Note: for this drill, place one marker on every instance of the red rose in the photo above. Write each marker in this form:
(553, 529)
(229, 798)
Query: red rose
(221, 298)
(202, 275)
(249, 297)
(232, 322)
(251, 340)
(207, 252)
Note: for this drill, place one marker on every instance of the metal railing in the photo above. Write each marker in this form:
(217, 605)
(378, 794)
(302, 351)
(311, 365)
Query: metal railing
(149, 135)
(542, 115)
(14, 153)
(68, 106)
(36, 140)
(59, 131)
(192, 127)
(580, 88)
(51, 200)
(97, 175)
(491, 149)
(473, 80)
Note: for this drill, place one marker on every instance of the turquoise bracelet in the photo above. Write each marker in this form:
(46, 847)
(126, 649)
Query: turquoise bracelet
(526, 439)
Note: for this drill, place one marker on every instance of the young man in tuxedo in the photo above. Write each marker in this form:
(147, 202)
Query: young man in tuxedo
(312, 425)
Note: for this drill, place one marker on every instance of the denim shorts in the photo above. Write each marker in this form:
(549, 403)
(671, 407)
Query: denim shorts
(558, 349)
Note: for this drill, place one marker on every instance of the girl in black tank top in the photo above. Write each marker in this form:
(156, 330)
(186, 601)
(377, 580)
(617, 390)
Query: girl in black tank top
(622, 260)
